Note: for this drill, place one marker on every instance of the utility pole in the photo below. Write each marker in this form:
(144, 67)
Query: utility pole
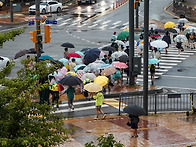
(131, 41)
(146, 37)
(38, 44)
(137, 3)
(11, 10)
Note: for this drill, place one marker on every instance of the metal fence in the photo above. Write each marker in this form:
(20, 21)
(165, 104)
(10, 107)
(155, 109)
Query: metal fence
(159, 102)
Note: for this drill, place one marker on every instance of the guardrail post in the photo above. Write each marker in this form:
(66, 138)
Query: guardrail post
(119, 104)
(155, 107)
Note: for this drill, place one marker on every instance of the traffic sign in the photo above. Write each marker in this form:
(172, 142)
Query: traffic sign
(31, 22)
(50, 22)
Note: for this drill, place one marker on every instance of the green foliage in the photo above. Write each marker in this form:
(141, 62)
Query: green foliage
(22, 121)
(10, 35)
(107, 141)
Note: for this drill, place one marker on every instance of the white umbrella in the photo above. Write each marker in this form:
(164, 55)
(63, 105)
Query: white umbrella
(154, 26)
(90, 76)
(159, 44)
(180, 38)
(182, 20)
(119, 42)
(117, 54)
(127, 43)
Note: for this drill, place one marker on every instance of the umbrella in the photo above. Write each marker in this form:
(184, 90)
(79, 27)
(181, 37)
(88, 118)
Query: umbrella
(57, 87)
(120, 65)
(182, 20)
(70, 80)
(79, 67)
(154, 26)
(80, 53)
(93, 67)
(101, 80)
(85, 49)
(117, 54)
(21, 53)
(57, 62)
(45, 57)
(32, 51)
(67, 45)
(180, 38)
(102, 66)
(91, 55)
(169, 24)
(159, 44)
(108, 48)
(72, 54)
(127, 43)
(101, 54)
(160, 30)
(93, 87)
(80, 73)
(108, 71)
(119, 42)
(134, 110)
(123, 58)
(172, 30)
(123, 35)
(63, 60)
(63, 70)
(57, 75)
(153, 61)
(90, 76)
(70, 73)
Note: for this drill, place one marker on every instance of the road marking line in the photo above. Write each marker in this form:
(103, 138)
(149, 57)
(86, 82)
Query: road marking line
(105, 22)
(117, 22)
(189, 77)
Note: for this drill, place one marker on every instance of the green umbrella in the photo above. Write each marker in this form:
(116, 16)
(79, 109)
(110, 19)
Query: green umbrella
(123, 35)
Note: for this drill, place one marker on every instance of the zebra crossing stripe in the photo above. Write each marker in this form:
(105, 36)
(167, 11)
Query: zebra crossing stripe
(178, 61)
(116, 22)
(105, 22)
(77, 103)
(114, 103)
(93, 25)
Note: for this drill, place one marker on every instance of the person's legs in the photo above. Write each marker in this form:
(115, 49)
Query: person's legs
(179, 51)
(99, 109)
(97, 114)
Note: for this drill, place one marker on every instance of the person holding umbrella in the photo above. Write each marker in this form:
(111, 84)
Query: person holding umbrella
(133, 124)
(99, 102)
(167, 39)
(70, 94)
(65, 53)
(152, 72)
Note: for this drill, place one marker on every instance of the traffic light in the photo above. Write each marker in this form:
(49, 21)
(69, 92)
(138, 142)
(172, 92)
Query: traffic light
(47, 33)
(33, 38)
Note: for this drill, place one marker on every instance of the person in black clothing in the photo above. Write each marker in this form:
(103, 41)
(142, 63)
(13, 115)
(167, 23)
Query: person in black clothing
(152, 72)
(134, 124)
(167, 39)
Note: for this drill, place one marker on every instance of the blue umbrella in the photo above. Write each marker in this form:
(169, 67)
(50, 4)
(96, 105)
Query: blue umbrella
(80, 53)
(79, 67)
(44, 57)
(102, 66)
(63, 60)
(91, 55)
(153, 61)
(85, 49)
(160, 30)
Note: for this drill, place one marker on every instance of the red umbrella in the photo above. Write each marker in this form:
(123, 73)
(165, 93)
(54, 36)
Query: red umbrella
(73, 55)
(120, 65)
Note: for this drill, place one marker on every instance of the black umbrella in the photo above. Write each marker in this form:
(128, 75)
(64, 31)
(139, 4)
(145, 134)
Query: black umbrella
(91, 55)
(21, 53)
(70, 80)
(134, 110)
(85, 49)
(171, 30)
(32, 51)
(123, 58)
(67, 45)
(57, 62)
(108, 48)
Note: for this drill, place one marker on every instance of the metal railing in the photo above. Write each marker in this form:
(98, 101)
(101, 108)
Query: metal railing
(159, 102)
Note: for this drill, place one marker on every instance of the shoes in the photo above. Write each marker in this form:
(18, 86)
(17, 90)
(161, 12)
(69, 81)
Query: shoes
(69, 110)
(96, 118)
(104, 116)
(72, 107)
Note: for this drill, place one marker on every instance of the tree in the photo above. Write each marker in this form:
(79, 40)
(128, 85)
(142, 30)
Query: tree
(22, 121)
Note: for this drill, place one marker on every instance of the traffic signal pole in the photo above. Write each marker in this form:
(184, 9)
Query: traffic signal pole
(137, 15)
(38, 30)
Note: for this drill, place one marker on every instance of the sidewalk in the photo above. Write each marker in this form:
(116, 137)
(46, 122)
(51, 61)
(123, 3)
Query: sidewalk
(171, 130)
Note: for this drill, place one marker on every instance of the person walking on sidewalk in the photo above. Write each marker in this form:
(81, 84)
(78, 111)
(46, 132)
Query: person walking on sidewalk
(134, 124)
(99, 102)
(70, 94)
(152, 72)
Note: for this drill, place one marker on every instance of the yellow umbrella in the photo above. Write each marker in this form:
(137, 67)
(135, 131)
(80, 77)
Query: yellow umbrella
(93, 87)
(101, 80)
(126, 29)
(169, 24)
(70, 73)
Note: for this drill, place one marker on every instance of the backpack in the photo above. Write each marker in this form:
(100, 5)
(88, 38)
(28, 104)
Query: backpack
(152, 68)
(192, 36)
(118, 74)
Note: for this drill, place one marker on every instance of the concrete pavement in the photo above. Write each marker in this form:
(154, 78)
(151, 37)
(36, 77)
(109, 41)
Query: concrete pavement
(169, 129)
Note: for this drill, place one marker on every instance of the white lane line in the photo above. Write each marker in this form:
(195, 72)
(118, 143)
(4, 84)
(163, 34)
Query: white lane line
(77, 103)
(97, 21)
(114, 27)
(80, 109)
(59, 19)
(62, 24)
(169, 61)
(117, 22)
(105, 22)
(93, 25)
(103, 26)
(173, 76)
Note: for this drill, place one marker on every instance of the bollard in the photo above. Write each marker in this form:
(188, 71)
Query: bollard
(116, 4)
(113, 6)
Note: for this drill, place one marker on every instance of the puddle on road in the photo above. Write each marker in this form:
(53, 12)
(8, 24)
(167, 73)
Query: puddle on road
(190, 119)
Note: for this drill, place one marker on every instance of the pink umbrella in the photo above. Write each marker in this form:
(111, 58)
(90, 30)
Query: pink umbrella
(80, 73)
(63, 70)
(120, 65)
(73, 54)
